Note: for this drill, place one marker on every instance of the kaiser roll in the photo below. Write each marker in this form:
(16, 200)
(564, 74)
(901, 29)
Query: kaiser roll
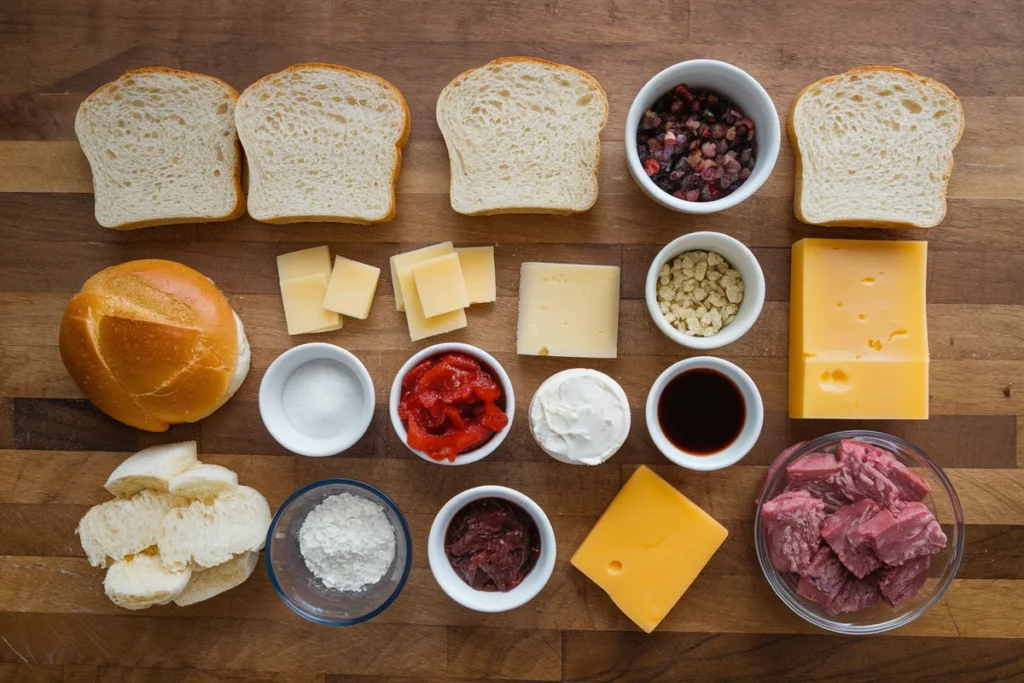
(153, 343)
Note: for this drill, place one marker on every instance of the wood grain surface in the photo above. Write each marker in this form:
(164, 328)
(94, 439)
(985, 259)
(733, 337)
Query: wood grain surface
(56, 450)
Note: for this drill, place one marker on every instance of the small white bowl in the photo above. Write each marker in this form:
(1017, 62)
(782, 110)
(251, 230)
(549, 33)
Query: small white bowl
(751, 425)
(490, 601)
(488, 360)
(272, 411)
(732, 83)
(740, 258)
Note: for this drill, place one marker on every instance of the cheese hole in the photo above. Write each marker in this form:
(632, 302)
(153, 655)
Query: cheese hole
(839, 304)
(614, 567)
(876, 344)
(835, 381)
(868, 280)
(897, 333)
(543, 351)
(861, 316)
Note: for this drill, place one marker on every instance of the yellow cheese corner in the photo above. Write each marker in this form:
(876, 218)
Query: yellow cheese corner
(648, 547)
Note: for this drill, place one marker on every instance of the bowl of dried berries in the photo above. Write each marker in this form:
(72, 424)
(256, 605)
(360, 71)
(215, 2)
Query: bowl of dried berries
(702, 136)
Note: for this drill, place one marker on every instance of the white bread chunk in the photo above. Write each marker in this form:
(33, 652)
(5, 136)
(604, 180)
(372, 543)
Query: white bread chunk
(323, 143)
(206, 583)
(523, 137)
(120, 528)
(209, 533)
(143, 581)
(203, 481)
(152, 468)
(163, 149)
(874, 148)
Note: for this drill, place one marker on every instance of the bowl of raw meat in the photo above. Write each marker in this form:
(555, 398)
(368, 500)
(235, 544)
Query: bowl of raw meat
(858, 532)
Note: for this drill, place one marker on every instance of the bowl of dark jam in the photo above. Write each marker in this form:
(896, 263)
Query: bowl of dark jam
(491, 549)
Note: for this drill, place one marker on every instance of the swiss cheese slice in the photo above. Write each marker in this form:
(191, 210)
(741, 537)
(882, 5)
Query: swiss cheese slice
(420, 326)
(400, 262)
(304, 305)
(351, 288)
(478, 269)
(568, 310)
(441, 285)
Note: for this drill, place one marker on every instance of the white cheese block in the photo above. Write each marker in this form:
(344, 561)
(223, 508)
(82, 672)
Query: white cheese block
(568, 310)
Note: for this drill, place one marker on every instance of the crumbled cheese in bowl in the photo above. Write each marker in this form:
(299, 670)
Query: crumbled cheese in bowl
(699, 293)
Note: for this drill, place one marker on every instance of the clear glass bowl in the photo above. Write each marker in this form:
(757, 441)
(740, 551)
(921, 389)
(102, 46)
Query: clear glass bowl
(306, 594)
(942, 500)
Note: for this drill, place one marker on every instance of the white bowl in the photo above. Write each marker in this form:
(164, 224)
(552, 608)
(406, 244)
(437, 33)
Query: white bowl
(751, 425)
(272, 411)
(490, 601)
(740, 258)
(506, 388)
(732, 83)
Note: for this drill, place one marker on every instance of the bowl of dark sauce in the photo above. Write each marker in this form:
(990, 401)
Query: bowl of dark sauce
(704, 413)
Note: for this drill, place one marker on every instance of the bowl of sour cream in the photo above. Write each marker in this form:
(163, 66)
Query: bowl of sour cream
(580, 416)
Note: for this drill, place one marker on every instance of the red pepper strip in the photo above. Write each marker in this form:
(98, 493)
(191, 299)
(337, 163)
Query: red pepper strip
(414, 375)
(494, 418)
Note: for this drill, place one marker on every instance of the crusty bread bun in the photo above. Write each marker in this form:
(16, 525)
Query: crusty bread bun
(153, 343)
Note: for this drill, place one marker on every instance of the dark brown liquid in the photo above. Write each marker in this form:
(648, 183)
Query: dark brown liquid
(701, 411)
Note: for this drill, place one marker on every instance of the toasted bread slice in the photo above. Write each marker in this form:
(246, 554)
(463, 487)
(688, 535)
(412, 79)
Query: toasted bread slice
(323, 143)
(163, 149)
(874, 148)
(523, 137)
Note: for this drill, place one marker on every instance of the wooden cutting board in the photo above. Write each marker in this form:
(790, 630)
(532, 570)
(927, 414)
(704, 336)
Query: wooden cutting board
(55, 623)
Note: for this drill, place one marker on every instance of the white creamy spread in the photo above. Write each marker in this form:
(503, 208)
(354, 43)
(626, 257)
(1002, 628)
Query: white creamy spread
(580, 416)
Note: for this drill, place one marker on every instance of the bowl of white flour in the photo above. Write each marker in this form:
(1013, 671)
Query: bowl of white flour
(338, 552)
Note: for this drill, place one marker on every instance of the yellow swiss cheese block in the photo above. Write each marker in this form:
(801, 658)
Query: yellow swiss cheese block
(858, 333)
(648, 547)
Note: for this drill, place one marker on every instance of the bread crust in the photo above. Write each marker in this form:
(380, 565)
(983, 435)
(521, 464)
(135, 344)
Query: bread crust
(798, 155)
(151, 343)
(545, 62)
(239, 209)
(399, 145)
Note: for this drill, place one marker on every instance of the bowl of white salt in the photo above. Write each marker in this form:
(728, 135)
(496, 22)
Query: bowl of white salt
(338, 552)
(317, 399)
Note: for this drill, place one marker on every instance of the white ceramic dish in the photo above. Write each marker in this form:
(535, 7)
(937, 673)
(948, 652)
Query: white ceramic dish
(740, 258)
(488, 601)
(751, 426)
(272, 411)
(736, 85)
(503, 379)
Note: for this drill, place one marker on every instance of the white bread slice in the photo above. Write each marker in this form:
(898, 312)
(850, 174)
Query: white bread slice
(120, 528)
(143, 581)
(523, 137)
(874, 148)
(323, 143)
(203, 481)
(151, 468)
(206, 534)
(163, 149)
(206, 583)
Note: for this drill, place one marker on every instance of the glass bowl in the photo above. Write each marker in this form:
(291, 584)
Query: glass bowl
(881, 617)
(305, 593)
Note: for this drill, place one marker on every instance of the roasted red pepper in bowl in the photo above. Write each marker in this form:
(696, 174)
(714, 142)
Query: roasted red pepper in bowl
(450, 404)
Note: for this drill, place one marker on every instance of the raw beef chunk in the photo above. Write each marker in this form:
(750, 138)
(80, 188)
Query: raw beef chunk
(824, 579)
(912, 532)
(792, 523)
(860, 559)
(899, 583)
(855, 595)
